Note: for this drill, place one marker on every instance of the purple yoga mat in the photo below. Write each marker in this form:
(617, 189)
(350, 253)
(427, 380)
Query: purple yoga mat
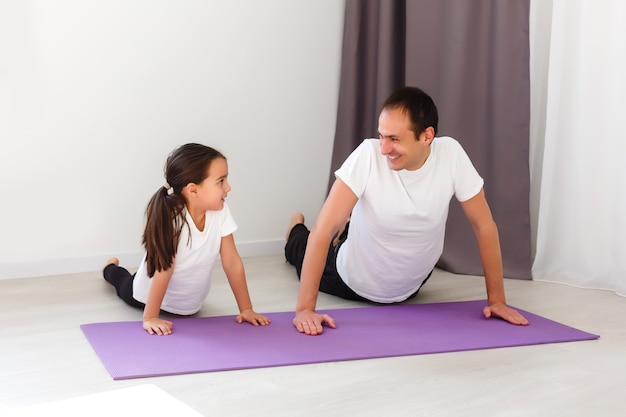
(205, 344)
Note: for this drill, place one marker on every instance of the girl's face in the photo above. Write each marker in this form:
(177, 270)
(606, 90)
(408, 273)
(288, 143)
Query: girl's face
(212, 192)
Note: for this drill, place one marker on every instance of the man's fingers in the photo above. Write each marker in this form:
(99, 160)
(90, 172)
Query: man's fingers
(329, 321)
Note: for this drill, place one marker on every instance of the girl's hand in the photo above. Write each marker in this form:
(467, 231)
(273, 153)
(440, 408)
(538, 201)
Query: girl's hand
(253, 318)
(158, 326)
(505, 313)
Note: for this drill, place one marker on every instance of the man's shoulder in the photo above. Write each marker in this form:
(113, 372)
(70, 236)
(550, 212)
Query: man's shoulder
(445, 140)
(366, 147)
(446, 145)
(370, 143)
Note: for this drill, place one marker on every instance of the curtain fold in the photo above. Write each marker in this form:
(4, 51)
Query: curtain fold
(372, 66)
(579, 143)
(472, 58)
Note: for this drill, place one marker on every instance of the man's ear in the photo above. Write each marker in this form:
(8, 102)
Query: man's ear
(429, 135)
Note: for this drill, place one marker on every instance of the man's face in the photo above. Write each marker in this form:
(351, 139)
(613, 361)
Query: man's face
(398, 142)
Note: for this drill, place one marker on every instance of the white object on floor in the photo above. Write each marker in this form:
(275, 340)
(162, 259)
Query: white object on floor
(141, 400)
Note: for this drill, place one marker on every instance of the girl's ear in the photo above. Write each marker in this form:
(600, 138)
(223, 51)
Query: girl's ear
(190, 189)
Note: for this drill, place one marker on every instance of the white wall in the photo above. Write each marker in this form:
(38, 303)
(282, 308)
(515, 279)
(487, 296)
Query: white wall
(95, 94)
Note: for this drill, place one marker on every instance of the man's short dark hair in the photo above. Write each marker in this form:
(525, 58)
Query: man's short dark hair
(419, 106)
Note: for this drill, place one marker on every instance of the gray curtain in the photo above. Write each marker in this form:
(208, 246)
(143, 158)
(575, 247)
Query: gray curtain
(472, 57)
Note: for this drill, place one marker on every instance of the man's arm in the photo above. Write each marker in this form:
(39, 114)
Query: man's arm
(335, 211)
(479, 215)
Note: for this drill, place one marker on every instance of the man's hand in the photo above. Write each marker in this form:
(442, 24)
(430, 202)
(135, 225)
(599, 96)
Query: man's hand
(311, 323)
(504, 312)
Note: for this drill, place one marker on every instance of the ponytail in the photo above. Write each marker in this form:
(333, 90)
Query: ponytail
(164, 222)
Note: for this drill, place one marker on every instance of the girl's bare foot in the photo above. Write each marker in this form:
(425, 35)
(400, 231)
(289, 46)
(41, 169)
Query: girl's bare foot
(114, 261)
(295, 219)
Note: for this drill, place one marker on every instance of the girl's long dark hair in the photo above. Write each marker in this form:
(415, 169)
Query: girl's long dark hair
(164, 214)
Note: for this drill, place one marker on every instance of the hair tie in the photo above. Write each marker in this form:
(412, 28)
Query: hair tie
(167, 186)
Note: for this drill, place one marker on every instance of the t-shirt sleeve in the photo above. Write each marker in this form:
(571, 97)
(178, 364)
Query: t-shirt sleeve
(227, 225)
(467, 181)
(355, 170)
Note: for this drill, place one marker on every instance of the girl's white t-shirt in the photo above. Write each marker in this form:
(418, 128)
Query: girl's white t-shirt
(397, 227)
(196, 254)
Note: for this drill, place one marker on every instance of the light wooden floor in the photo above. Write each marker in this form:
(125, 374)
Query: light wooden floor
(45, 357)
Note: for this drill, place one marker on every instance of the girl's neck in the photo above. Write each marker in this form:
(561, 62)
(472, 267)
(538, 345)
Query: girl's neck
(198, 218)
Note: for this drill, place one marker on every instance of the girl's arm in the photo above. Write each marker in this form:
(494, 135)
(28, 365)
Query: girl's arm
(233, 267)
(151, 321)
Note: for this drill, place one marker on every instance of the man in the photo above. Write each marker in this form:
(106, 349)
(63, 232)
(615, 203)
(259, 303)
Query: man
(395, 191)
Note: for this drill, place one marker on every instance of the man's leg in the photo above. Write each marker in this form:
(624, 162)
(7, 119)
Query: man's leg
(295, 242)
(295, 248)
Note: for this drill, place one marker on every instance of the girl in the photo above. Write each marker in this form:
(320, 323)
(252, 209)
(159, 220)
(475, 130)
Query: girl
(188, 225)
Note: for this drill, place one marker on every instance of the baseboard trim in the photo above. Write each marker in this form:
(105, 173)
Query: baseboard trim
(90, 263)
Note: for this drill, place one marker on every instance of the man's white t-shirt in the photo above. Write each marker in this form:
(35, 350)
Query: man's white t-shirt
(196, 254)
(397, 227)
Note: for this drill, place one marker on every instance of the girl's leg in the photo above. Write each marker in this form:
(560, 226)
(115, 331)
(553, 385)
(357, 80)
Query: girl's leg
(122, 280)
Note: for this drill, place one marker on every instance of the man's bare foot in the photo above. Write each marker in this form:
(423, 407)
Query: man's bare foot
(114, 261)
(295, 219)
